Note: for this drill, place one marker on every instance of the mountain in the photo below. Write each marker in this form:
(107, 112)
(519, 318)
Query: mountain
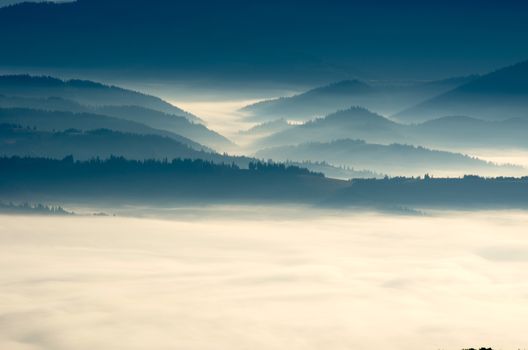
(267, 128)
(84, 145)
(152, 118)
(117, 181)
(42, 103)
(395, 159)
(59, 121)
(83, 92)
(335, 172)
(451, 133)
(173, 123)
(103, 143)
(120, 181)
(384, 99)
(356, 123)
(499, 95)
(309, 104)
(428, 192)
(466, 132)
(51, 94)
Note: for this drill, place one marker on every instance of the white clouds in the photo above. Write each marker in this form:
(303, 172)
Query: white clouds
(363, 281)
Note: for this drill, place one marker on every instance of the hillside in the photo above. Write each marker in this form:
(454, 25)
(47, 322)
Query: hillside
(84, 92)
(456, 132)
(499, 95)
(163, 121)
(381, 98)
(117, 180)
(394, 159)
(103, 143)
(59, 121)
(149, 117)
(467, 132)
(84, 145)
(462, 193)
(356, 123)
(266, 128)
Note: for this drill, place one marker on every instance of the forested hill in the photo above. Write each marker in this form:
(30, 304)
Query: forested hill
(448, 193)
(180, 180)
(121, 181)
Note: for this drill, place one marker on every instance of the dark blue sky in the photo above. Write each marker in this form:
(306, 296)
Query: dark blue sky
(274, 40)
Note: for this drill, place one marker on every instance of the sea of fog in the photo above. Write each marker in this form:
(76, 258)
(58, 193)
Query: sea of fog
(228, 280)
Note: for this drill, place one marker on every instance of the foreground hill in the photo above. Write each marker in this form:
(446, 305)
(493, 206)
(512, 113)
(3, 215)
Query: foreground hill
(118, 181)
(32, 209)
(462, 193)
(385, 99)
(499, 95)
(394, 159)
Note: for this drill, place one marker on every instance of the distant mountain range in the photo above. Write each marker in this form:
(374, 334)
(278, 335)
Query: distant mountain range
(163, 121)
(76, 96)
(355, 122)
(84, 92)
(447, 132)
(266, 128)
(86, 144)
(394, 159)
(469, 133)
(336, 172)
(384, 99)
(60, 121)
(97, 143)
(499, 95)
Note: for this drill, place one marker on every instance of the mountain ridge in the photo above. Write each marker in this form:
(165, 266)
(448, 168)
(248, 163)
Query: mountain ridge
(393, 159)
(25, 85)
(322, 100)
(499, 95)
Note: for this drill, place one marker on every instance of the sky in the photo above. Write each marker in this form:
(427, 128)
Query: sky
(268, 41)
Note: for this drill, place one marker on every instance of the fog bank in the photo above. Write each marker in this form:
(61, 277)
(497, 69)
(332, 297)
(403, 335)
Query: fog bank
(366, 281)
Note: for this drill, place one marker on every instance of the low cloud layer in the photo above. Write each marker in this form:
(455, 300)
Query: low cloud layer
(360, 281)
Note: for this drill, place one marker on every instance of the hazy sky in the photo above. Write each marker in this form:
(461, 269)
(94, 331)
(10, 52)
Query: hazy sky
(269, 40)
